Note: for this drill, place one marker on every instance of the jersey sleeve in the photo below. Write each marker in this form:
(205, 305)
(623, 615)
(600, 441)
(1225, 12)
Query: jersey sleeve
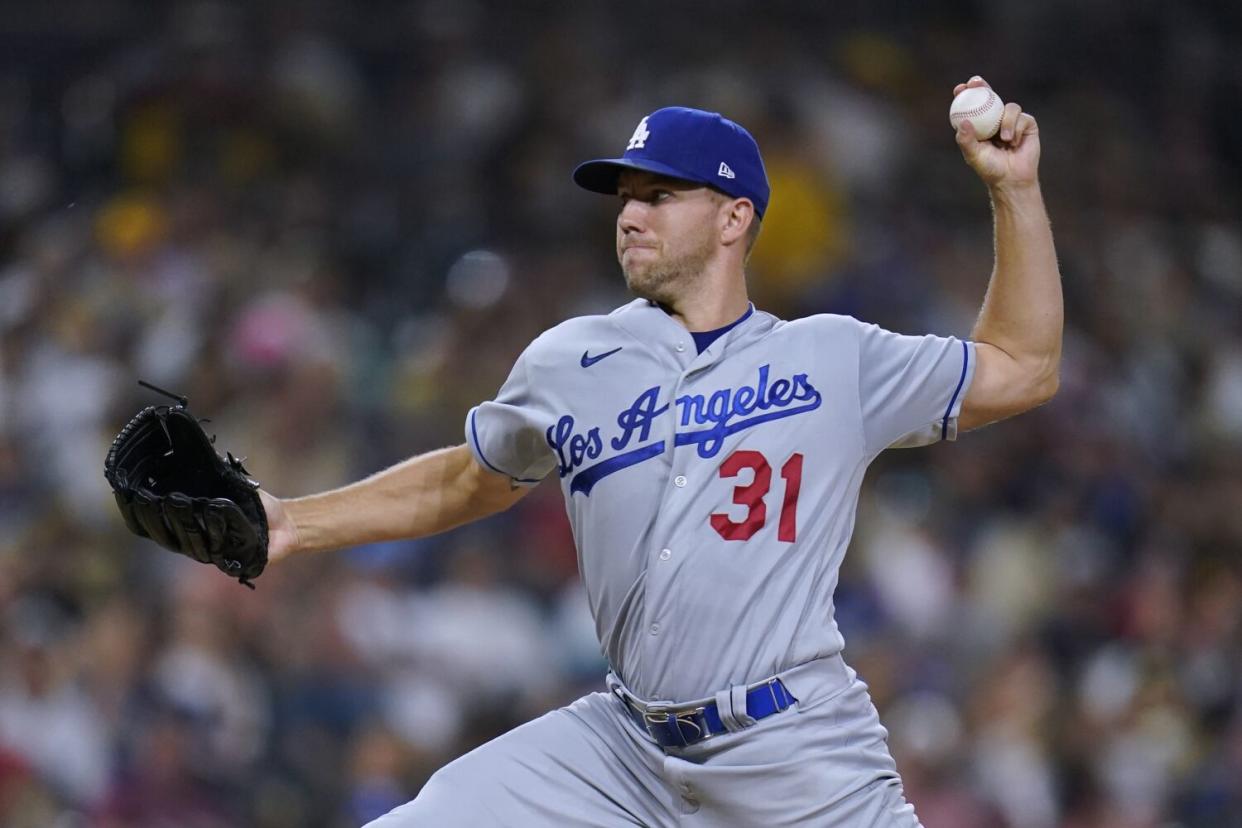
(507, 434)
(911, 387)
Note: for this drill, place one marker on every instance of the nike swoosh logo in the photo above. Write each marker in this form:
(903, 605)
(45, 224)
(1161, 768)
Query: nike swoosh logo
(588, 360)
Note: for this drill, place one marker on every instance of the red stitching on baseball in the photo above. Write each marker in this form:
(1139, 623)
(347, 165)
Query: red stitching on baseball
(983, 107)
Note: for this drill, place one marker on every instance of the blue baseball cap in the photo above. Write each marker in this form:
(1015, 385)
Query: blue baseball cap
(690, 144)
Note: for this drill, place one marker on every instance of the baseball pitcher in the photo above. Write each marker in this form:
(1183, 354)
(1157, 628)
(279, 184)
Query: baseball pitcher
(710, 456)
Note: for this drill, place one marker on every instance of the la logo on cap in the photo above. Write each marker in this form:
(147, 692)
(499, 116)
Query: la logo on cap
(639, 139)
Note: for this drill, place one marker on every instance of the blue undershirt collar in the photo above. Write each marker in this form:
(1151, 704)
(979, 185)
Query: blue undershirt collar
(703, 339)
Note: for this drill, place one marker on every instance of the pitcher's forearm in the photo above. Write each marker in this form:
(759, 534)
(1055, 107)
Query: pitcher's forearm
(421, 496)
(1022, 312)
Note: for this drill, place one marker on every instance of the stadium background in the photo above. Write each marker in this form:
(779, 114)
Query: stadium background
(334, 225)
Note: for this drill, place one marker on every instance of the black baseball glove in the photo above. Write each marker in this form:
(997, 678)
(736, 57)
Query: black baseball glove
(172, 487)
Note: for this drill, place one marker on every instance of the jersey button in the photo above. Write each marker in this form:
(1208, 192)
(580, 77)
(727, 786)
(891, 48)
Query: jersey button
(655, 629)
(681, 346)
(680, 481)
(665, 554)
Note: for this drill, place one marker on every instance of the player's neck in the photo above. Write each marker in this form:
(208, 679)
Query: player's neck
(710, 306)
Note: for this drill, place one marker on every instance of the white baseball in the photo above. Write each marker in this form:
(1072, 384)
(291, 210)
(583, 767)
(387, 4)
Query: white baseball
(982, 107)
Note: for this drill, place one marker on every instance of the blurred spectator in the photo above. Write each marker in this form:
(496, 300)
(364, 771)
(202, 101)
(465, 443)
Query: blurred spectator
(47, 721)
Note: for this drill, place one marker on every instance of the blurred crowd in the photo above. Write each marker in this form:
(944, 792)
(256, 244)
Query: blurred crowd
(334, 226)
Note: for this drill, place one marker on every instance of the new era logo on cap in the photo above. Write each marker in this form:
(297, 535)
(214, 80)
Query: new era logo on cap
(680, 143)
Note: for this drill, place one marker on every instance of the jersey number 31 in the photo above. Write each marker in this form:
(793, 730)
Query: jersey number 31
(751, 496)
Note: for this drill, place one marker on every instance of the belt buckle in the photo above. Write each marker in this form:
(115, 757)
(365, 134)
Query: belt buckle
(663, 716)
(656, 713)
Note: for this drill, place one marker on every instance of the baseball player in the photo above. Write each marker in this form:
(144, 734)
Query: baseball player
(710, 456)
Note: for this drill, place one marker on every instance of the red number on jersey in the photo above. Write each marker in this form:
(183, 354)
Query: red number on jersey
(792, 474)
(751, 496)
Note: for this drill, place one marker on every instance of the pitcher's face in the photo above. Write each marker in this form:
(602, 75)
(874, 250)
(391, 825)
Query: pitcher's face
(667, 231)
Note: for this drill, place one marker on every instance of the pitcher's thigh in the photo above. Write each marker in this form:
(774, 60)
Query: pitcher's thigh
(827, 765)
(566, 768)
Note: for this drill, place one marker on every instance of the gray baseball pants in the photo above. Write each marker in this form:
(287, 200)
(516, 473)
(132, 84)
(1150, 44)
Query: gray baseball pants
(823, 762)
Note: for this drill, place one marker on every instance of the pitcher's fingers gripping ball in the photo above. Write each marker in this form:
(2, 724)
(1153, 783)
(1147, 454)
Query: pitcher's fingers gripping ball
(998, 140)
(172, 487)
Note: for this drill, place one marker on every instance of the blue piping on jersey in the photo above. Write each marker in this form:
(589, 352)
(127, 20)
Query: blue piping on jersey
(474, 433)
(587, 478)
(944, 424)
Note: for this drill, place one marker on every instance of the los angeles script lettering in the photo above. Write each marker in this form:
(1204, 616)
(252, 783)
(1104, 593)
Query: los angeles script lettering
(725, 412)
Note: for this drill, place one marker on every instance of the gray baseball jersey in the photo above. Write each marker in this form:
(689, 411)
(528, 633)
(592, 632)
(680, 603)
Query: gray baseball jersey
(712, 496)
